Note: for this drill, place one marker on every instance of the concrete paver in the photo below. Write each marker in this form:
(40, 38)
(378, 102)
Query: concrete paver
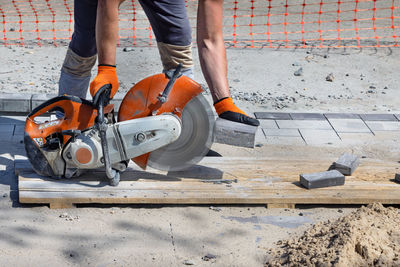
(5, 136)
(233, 133)
(342, 116)
(356, 138)
(15, 102)
(7, 128)
(346, 164)
(19, 129)
(282, 132)
(319, 137)
(307, 116)
(349, 126)
(378, 117)
(283, 140)
(12, 119)
(272, 116)
(387, 134)
(268, 124)
(383, 125)
(322, 179)
(17, 139)
(304, 124)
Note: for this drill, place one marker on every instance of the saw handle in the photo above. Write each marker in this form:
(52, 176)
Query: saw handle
(102, 96)
(177, 73)
(101, 125)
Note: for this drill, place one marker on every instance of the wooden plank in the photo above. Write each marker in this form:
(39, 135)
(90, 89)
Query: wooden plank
(281, 206)
(272, 182)
(61, 205)
(190, 193)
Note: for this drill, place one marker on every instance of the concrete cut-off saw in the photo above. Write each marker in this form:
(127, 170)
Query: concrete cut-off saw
(163, 121)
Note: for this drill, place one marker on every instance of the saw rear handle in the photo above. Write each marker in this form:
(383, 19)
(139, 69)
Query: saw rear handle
(102, 99)
(177, 73)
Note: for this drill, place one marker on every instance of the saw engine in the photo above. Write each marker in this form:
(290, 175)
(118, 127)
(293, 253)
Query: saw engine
(164, 122)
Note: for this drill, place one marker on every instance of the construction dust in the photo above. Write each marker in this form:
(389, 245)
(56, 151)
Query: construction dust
(369, 236)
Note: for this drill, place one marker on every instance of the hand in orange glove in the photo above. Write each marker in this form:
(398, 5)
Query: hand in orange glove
(229, 111)
(106, 75)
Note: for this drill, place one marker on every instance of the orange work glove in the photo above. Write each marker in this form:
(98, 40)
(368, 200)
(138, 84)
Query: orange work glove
(106, 74)
(227, 110)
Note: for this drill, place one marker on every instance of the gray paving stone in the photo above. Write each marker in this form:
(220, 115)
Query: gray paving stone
(356, 138)
(12, 119)
(346, 163)
(19, 139)
(378, 117)
(397, 116)
(233, 133)
(307, 116)
(272, 116)
(342, 116)
(260, 136)
(322, 179)
(319, 137)
(282, 132)
(397, 177)
(15, 102)
(284, 140)
(384, 125)
(38, 99)
(5, 136)
(7, 128)
(384, 135)
(19, 129)
(304, 124)
(349, 126)
(268, 124)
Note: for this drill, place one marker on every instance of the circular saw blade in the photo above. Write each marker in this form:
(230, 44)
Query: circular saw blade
(194, 141)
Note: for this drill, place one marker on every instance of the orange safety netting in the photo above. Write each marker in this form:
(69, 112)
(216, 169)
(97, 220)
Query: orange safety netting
(247, 23)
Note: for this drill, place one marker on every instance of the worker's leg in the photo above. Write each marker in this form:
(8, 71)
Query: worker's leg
(81, 55)
(173, 33)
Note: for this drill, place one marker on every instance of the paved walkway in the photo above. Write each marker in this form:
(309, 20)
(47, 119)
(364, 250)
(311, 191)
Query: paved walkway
(285, 128)
(12, 129)
(330, 128)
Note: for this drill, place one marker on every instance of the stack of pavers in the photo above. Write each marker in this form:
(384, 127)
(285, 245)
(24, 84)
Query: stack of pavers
(344, 166)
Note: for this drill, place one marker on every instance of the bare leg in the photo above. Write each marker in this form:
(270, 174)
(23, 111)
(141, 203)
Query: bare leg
(213, 62)
(211, 47)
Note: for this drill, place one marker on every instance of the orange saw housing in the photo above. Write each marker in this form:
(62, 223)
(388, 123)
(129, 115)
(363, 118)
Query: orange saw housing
(141, 101)
(78, 114)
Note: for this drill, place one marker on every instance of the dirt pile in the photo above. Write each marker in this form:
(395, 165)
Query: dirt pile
(370, 236)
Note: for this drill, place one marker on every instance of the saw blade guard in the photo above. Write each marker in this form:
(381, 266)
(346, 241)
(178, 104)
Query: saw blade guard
(142, 100)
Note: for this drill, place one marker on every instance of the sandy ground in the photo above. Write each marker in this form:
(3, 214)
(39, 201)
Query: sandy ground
(364, 80)
(367, 237)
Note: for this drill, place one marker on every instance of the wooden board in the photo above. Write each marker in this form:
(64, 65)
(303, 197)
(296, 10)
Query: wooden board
(215, 180)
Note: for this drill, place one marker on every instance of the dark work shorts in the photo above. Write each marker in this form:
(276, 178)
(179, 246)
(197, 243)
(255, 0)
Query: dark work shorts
(168, 18)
